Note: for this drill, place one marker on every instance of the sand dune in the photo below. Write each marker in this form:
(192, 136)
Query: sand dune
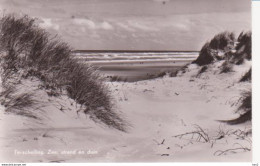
(158, 111)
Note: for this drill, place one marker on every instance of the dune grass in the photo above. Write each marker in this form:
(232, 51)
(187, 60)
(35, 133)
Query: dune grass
(247, 76)
(236, 51)
(205, 57)
(18, 103)
(246, 109)
(29, 51)
(225, 42)
(209, 52)
(202, 70)
(244, 48)
(226, 67)
(222, 40)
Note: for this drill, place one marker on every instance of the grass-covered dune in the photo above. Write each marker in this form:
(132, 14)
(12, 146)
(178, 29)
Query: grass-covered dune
(233, 52)
(27, 51)
(225, 46)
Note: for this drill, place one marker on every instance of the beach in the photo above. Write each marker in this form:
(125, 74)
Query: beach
(157, 112)
(136, 65)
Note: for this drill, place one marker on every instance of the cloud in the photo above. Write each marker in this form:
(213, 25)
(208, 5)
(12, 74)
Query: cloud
(47, 23)
(106, 25)
(125, 27)
(92, 25)
(142, 26)
(86, 22)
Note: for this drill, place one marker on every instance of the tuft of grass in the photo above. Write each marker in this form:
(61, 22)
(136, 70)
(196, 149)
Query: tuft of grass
(205, 56)
(110, 118)
(117, 79)
(180, 71)
(17, 103)
(245, 107)
(226, 67)
(247, 76)
(245, 40)
(246, 104)
(157, 75)
(199, 135)
(30, 51)
(243, 48)
(202, 70)
(232, 150)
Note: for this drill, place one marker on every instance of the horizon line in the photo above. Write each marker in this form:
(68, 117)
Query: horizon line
(75, 51)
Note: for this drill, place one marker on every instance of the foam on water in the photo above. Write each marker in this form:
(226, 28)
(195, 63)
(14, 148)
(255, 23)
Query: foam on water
(103, 57)
(135, 66)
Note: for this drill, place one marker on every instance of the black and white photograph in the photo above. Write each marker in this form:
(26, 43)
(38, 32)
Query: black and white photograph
(108, 81)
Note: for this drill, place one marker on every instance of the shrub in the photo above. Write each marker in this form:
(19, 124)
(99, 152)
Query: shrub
(32, 51)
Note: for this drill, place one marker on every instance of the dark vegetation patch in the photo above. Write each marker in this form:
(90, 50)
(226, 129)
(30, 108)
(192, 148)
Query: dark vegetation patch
(180, 71)
(226, 67)
(246, 109)
(247, 76)
(209, 53)
(243, 48)
(202, 70)
(29, 51)
(246, 104)
(245, 40)
(17, 103)
(222, 41)
(225, 46)
(205, 55)
(157, 75)
(116, 78)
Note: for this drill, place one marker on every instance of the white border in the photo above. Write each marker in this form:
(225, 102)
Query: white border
(256, 107)
(256, 78)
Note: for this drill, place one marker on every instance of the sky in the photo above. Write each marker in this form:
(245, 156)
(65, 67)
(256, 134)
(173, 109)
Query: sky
(136, 24)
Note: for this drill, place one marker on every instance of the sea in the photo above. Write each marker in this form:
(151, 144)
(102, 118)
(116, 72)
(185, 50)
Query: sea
(134, 66)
